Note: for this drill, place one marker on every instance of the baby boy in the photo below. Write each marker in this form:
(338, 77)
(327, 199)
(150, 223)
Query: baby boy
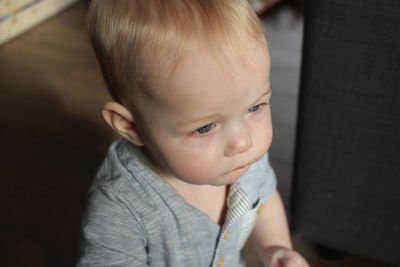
(190, 180)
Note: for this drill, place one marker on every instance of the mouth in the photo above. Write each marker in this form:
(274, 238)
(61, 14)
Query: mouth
(242, 167)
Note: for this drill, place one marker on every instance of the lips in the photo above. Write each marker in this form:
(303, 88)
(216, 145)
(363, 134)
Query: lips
(242, 167)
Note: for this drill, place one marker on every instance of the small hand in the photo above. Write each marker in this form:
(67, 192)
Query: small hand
(284, 257)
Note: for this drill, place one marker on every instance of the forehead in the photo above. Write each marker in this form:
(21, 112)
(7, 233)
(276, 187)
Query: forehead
(207, 84)
(203, 73)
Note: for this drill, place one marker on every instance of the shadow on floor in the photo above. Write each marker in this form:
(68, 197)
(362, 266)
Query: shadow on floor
(48, 158)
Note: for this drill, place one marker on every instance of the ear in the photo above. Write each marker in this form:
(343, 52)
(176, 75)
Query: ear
(122, 121)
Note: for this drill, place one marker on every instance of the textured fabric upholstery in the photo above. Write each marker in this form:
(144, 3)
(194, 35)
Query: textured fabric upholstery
(347, 171)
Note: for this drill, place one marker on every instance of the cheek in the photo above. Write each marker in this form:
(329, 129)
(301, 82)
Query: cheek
(263, 135)
(195, 166)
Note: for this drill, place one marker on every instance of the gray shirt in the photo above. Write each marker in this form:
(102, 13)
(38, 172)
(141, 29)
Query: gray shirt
(135, 218)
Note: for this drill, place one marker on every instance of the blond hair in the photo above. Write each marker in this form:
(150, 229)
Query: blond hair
(133, 37)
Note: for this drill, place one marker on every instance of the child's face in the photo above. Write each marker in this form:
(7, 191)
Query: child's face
(214, 120)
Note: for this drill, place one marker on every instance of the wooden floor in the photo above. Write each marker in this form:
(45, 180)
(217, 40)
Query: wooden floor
(52, 139)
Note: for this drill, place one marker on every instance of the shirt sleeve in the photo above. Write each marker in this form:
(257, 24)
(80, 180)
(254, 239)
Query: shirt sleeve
(112, 234)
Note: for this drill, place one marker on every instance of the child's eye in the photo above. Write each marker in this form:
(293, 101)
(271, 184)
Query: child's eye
(205, 129)
(255, 108)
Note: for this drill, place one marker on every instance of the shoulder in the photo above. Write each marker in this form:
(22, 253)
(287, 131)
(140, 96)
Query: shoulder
(123, 183)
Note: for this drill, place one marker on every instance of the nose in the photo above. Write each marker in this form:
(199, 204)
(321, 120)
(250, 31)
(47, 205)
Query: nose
(238, 140)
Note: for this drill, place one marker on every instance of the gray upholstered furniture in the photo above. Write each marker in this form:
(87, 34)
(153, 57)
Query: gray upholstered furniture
(347, 173)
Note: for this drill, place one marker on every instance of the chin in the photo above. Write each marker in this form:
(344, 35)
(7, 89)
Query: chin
(231, 177)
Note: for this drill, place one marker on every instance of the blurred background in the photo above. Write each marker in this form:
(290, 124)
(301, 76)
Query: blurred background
(53, 138)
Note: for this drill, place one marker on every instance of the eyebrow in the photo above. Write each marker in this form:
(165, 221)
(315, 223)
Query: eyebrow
(195, 121)
(267, 92)
(216, 115)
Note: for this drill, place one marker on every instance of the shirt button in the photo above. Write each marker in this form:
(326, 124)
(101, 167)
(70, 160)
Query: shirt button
(220, 262)
(260, 209)
(226, 235)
